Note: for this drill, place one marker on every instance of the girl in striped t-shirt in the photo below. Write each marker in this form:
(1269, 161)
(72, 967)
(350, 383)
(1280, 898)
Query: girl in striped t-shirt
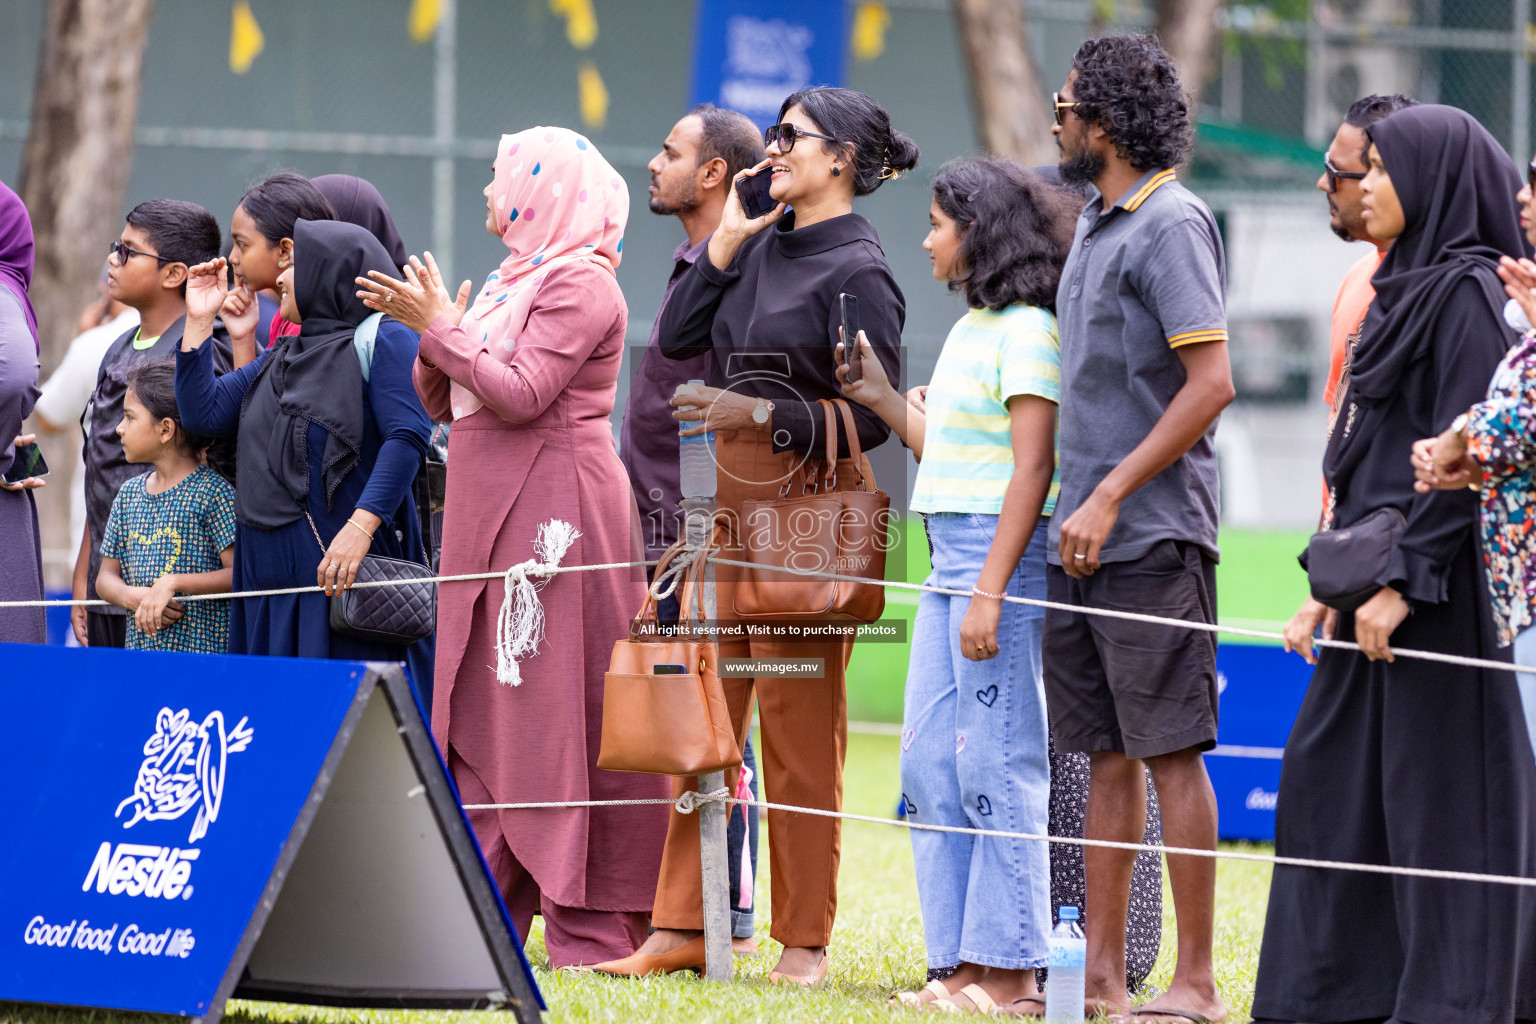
(974, 745)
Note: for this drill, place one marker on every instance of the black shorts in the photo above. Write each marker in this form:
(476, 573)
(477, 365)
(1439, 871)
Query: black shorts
(1134, 687)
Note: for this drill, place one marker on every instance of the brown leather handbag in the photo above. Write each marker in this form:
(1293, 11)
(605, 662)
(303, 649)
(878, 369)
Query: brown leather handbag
(821, 529)
(667, 724)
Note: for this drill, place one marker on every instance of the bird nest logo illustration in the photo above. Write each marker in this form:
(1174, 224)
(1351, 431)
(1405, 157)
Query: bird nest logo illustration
(183, 768)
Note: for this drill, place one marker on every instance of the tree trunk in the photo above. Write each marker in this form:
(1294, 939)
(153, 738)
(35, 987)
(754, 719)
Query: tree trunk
(1188, 31)
(79, 145)
(1013, 107)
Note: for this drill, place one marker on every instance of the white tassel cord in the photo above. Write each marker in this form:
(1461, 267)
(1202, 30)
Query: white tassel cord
(520, 625)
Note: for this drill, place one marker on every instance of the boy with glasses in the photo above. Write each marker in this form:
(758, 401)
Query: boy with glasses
(146, 271)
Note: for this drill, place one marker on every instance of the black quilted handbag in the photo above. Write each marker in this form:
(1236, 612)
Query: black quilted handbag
(394, 616)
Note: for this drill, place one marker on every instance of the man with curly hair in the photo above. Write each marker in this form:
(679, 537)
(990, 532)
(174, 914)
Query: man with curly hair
(1144, 375)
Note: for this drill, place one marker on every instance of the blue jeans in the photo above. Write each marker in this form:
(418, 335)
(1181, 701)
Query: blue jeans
(974, 754)
(1525, 654)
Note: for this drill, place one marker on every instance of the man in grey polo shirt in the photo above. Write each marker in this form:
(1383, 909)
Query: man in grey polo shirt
(1144, 376)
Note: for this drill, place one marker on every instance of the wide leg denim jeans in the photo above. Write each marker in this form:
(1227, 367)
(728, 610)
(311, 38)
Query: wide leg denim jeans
(974, 754)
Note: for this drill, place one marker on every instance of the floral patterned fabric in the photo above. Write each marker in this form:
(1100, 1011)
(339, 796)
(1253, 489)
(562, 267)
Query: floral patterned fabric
(1501, 436)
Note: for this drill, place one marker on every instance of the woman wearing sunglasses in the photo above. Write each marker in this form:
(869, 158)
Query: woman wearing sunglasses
(765, 302)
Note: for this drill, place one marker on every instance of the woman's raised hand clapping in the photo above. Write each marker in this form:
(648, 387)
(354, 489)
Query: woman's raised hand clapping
(417, 301)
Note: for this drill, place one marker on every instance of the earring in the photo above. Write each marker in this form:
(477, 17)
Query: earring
(837, 172)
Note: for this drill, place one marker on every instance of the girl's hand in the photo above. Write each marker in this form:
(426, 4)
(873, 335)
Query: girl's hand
(917, 398)
(712, 409)
(1520, 283)
(418, 301)
(206, 290)
(338, 568)
(154, 602)
(1376, 620)
(978, 630)
(240, 313)
(873, 387)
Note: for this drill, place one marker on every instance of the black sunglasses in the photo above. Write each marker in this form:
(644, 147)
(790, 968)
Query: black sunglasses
(786, 135)
(125, 252)
(1060, 108)
(1530, 175)
(1334, 174)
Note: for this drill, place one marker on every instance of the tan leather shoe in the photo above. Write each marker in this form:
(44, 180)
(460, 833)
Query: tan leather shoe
(687, 957)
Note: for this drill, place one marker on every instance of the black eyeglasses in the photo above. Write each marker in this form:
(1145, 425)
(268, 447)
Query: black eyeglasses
(1334, 174)
(125, 252)
(1060, 108)
(786, 135)
(1530, 175)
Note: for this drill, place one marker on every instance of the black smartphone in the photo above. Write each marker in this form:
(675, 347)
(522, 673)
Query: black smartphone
(851, 353)
(753, 190)
(669, 670)
(29, 462)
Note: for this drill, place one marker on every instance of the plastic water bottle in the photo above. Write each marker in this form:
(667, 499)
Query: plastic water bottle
(696, 457)
(1064, 992)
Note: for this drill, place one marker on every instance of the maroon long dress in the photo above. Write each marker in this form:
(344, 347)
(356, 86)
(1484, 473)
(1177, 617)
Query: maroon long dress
(541, 448)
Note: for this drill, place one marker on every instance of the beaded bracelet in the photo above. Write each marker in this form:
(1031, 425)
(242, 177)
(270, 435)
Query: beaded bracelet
(982, 593)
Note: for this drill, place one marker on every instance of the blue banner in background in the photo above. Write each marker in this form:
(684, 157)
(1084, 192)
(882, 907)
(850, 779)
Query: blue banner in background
(1262, 688)
(750, 54)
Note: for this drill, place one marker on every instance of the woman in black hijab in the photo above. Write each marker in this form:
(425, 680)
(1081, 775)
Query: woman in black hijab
(356, 201)
(1409, 762)
(327, 449)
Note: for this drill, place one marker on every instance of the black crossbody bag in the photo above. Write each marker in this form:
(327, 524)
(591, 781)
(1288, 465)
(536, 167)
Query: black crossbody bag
(1345, 568)
(394, 616)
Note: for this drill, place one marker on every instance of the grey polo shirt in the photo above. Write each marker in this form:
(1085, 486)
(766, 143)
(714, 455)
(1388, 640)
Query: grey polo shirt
(1143, 279)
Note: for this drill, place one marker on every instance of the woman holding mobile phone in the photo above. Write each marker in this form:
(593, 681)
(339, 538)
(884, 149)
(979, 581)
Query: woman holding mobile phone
(765, 303)
(21, 555)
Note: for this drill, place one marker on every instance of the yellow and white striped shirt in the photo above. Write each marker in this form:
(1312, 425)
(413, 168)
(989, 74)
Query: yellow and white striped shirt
(987, 359)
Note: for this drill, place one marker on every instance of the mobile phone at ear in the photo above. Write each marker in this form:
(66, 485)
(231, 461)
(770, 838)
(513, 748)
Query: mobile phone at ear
(851, 351)
(753, 190)
(29, 462)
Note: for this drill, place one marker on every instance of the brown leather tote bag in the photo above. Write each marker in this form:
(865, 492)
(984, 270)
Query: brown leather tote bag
(822, 529)
(667, 724)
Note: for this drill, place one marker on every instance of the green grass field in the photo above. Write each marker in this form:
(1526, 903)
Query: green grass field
(878, 944)
(876, 949)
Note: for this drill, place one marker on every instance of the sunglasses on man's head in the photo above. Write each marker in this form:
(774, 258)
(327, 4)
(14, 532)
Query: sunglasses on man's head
(1334, 174)
(125, 252)
(1060, 107)
(785, 135)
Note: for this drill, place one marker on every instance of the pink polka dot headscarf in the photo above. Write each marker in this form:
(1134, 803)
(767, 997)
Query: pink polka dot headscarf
(555, 200)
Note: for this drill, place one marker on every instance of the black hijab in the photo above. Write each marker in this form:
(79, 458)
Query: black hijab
(356, 201)
(311, 377)
(1457, 189)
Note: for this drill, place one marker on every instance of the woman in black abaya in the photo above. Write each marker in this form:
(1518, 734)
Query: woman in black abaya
(1403, 761)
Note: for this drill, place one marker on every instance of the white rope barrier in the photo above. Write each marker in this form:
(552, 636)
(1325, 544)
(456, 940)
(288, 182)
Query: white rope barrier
(673, 573)
(686, 804)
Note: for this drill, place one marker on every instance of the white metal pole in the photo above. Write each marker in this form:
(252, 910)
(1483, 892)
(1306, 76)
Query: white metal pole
(444, 130)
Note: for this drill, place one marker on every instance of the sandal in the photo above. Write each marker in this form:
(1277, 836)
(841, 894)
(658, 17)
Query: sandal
(915, 1000)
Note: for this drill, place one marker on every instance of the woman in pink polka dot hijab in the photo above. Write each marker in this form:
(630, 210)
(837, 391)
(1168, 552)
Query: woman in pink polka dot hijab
(553, 198)
(528, 374)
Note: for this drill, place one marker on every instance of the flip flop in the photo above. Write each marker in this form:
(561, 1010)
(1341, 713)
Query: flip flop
(914, 1000)
(1029, 999)
(1189, 1015)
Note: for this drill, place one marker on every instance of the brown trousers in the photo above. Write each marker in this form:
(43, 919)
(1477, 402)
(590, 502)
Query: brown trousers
(804, 735)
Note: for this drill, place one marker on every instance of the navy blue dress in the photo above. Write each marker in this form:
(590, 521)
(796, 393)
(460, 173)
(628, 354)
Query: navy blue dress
(395, 439)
